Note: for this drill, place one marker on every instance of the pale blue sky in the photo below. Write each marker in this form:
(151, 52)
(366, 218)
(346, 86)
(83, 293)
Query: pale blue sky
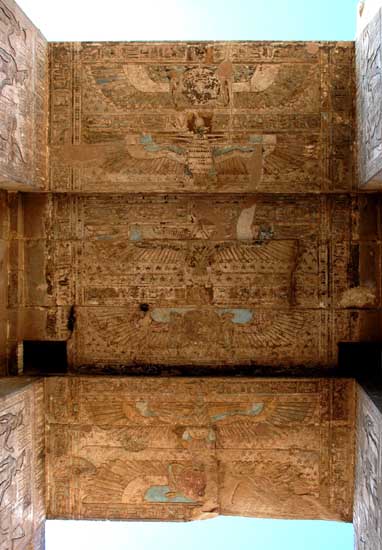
(223, 533)
(196, 20)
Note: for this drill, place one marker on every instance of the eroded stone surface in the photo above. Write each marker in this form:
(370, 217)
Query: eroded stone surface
(177, 449)
(202, 211)
(217, 117)
(369, 90)
(22, 473)
(174, 280)
(23, 101)
(367, 508)
(365, 13)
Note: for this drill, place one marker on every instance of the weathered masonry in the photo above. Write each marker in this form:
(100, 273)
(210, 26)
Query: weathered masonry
(190, 267)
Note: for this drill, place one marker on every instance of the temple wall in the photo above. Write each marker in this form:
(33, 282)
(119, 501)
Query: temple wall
(182, 449)
(369, 96)
(367, 9)
(368, 487)
(22, 472)
(23, 101)
(4, 281)
(201, 207)
(12, 283)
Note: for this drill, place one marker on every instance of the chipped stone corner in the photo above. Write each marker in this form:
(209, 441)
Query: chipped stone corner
(358, 297)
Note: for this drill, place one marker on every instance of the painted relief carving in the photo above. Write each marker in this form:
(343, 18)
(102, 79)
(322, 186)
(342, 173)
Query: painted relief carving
(254, 447)
(257, 86)
(275, 280)
(142, 482)
(185, 484)
(180, 86)
(257, 484)
(198, 272)
(198, 85)
(216, 123)
(194, 153)
(169, 334)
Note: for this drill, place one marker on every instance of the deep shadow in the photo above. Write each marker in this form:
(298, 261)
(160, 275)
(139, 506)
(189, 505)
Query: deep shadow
(42, 358)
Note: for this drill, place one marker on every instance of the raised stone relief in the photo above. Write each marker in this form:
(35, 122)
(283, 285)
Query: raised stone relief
(9, 423)
(262, 448)
(367, 508)
(173, 280)
(22, 503)
(23, 101)
(201, 212)
(369, 83)
(12, 75)
(242, 118)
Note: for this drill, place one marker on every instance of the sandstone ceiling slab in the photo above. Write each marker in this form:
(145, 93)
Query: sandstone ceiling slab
(211, 117)
(178, 449)
(263, 280)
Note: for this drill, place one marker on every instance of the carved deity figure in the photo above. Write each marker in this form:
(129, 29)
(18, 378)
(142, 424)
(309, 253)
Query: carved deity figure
(372, 87)
(9, 468)
(10, 74)
(8, 142)
(194, 153)
(186, 485)
(7, 17)
(16, 533)
(8, 423)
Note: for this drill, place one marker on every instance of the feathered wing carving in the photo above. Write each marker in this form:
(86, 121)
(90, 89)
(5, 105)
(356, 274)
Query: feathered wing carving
(127, 87)
(276, 412)
(272, 331)
(268, 257)
(111, 479)
(238, 159)
(128, 161)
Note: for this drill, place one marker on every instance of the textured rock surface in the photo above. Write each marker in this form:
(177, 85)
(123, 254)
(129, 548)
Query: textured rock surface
(178, 449)
(22, 472)
(219, 117)
(23, 101)
(367, 508)
(219, 280)
(366, 11)
(3, 281)
(202, 210)
(271, 260)
(369, 98)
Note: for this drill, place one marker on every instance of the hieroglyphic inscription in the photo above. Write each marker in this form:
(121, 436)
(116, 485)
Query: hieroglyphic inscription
(4, 247)
(239, 117)
(22, 494)
(175, 449)
(23, 101)
(270, 279)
